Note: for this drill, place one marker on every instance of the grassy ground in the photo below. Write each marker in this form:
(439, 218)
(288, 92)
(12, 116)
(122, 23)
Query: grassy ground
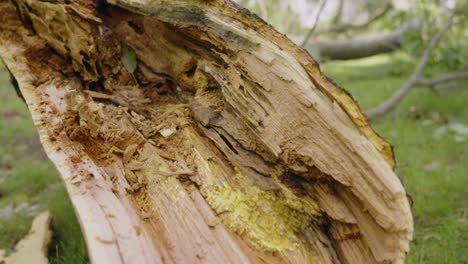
(26, 176)
(432, 164)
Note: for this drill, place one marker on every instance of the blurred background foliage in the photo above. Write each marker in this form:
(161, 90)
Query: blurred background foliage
(347, 20)
(369, 47)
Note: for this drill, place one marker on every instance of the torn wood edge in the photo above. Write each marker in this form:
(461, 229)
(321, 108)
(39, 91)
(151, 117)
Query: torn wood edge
(105, 240)
(327, 86)
(99, 234)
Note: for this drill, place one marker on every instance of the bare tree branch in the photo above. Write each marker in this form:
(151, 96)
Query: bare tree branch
(339, 13)
(414, 77)
(343, 27)
(263, 9)
(444, 78)
(317, 17)
(448, 87)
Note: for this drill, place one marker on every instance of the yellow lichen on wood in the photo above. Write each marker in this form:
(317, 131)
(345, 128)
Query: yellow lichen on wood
(266, 218)
(271, 220)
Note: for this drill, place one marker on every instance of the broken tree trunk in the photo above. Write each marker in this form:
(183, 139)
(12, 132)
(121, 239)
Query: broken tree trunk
(191, 132)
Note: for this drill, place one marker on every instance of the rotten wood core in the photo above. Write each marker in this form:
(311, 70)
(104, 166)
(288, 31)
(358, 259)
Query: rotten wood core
(225, 145)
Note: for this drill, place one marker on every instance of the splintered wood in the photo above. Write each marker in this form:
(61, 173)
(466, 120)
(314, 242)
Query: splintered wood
(224, 144)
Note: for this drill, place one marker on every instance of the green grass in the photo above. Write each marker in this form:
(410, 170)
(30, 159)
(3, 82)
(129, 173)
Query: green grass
(26, 176)
(440, 202)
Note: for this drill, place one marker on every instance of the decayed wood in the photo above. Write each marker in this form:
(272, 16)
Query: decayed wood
(226, 144)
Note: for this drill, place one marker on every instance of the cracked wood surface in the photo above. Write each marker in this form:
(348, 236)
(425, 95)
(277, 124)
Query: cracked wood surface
(225, 145)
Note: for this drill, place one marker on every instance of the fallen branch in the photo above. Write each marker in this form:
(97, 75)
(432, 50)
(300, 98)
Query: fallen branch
(360, 47)
(444, 78)
(396, 98)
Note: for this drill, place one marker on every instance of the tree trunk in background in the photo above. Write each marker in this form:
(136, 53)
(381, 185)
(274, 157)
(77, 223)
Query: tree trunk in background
(191, 132)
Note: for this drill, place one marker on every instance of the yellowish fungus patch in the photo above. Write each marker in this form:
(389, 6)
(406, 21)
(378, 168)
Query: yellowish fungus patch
(271, 220)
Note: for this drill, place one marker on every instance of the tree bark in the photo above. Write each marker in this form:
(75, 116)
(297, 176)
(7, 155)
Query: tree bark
(191, 132)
